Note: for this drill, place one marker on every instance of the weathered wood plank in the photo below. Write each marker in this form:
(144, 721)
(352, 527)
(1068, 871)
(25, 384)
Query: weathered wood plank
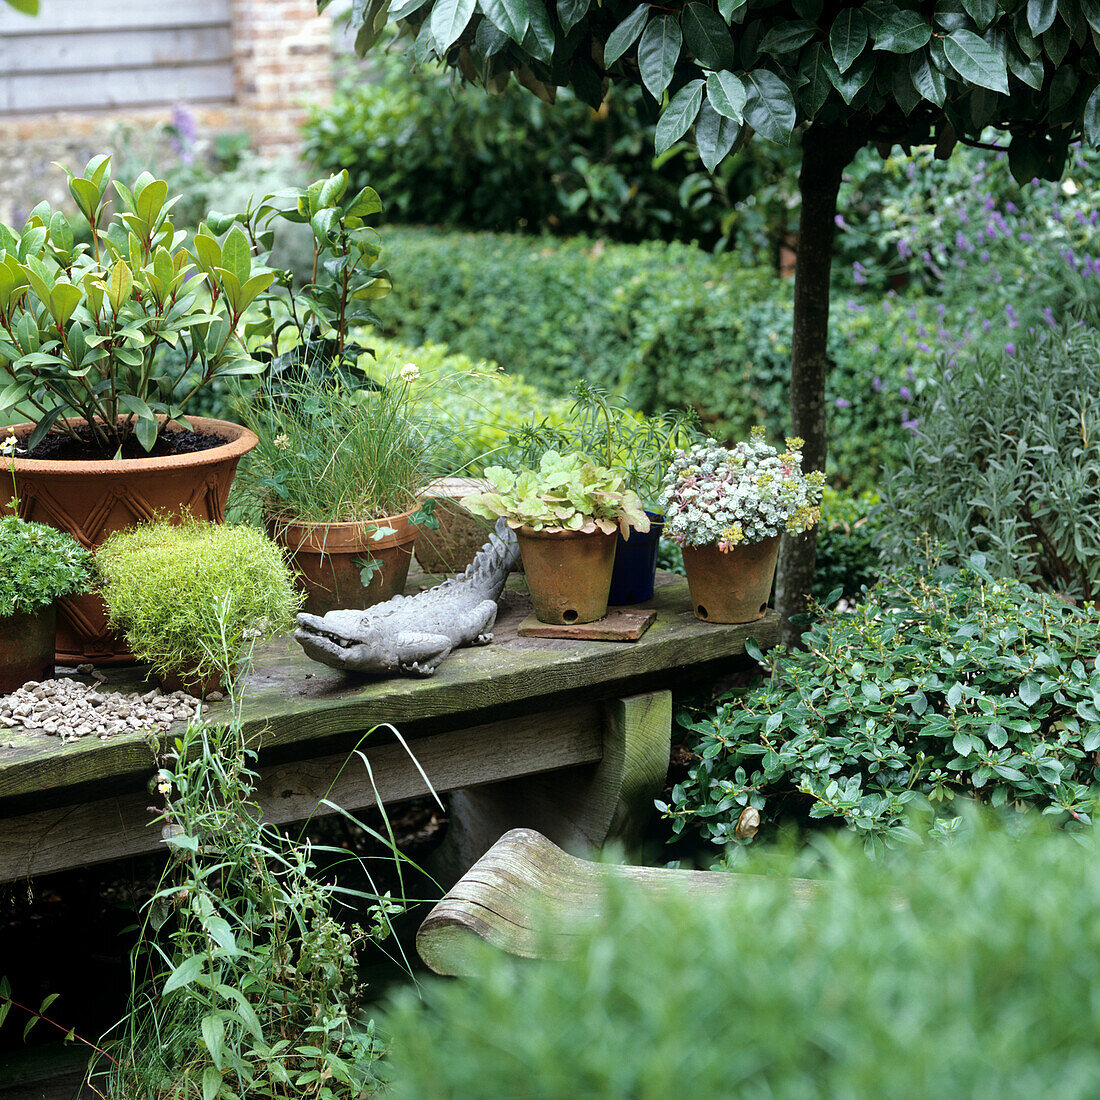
(527, 897)
(579, 808)
(293, 701)
(113, 828)
(108, 15)
(108, 51)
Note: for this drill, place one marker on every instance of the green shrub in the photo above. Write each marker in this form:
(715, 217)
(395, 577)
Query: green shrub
(959, 971)
(1006, 463)
(445, 153)
(187, 594)
(932, 692)
(666, 325)
(39, 565)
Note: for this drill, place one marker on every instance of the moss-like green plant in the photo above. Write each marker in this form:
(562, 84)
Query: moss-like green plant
(39, 565)
(186, 594)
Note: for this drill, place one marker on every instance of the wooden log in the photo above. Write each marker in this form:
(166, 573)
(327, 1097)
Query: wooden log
(527, 897)
(113, 828)
(579, 808)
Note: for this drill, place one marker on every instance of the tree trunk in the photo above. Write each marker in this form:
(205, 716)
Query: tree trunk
(826, 152)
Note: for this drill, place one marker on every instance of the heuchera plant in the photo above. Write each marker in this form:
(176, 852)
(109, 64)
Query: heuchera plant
(566, 492)
(716, 497)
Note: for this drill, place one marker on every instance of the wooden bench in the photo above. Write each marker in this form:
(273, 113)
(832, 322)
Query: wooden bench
(567, 737)
(529, 898)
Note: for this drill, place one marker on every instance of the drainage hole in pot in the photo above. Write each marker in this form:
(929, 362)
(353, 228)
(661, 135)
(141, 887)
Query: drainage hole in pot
(570, 616)
(763, 608)
(701, 611)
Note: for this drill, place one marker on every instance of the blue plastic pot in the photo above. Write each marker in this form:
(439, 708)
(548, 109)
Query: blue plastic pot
(636, 564)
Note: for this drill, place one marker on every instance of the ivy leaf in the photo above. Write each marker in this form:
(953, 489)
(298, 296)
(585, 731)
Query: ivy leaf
(976, 60)
(715, 135)
(625, 34)
(847, 37)
(510, 16)
(658, 53)
(708, 37)
(769, 106)
(727, 95)
(449, 19)
(676, 119)
(902, 32)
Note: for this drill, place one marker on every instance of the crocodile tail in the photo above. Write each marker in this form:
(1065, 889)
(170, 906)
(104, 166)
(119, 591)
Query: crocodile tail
(496, 559)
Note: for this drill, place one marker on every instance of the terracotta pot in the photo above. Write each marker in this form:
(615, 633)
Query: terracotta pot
(461, 534)
(325, 557)
(568, 573)
(26, 647)
(190, 683)
(91, 500)
(731, 587)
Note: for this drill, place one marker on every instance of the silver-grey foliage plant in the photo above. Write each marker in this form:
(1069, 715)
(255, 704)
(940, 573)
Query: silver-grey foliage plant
(1006, 462)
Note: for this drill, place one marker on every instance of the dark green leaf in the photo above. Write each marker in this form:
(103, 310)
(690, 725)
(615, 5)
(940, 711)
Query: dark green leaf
(449, 19)
(677, 118)
(658, 52)
(850, 83)
(901, 86)
(902, 32)
(708, 37)
(715, 135)
(927, 79)
(788, 36)
(726, 94)
(510, 16)
(625, 34)
(983, 12)
(1056, 42)
(1040, 14)
(769, 106)
(540, 40)
(1062, 86)
(818, 85)
(571, 12)
(847, 37)
(1092, 119)
(975, 60)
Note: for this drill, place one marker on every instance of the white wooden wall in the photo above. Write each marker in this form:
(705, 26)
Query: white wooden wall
(84, 55)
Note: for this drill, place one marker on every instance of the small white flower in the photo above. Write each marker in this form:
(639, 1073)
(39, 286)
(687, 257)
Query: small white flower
(410, 372)
(9, 445)
(1069, 187)
(281, 443)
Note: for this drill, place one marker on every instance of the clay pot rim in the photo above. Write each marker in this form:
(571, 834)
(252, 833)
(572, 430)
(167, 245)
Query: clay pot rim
(738, 546)
(239, 441)
(562, 533)
(353, 536)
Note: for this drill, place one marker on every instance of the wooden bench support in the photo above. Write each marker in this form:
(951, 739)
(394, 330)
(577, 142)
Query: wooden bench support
(527, 897)
(578, 808)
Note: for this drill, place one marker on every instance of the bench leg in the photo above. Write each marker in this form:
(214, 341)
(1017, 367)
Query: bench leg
(578, 808)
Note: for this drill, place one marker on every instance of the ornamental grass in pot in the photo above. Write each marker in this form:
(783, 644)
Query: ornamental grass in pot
(191, 596)
(567, 516)
(727, 510)
(608, 431)
(106, 345)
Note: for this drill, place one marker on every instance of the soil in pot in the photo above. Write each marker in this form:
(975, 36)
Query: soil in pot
(636, 564)
(568, 573)
(93, 498)
(731, 587)
(86, 448)
(27, 647)
(331, 560)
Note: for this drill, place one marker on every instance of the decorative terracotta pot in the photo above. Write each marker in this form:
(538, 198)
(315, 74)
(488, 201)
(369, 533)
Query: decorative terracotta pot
(568, 573)
(26, 647)
(189, 682)
(461, 534)
(93, 499)
(329, 558)
(731, 587)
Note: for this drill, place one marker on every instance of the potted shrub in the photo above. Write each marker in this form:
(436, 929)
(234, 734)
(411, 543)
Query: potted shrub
(567, 515)
(608, 431)
(38, 566)
(727, 509)
(106, 344)
(190, 596)
(342, 455)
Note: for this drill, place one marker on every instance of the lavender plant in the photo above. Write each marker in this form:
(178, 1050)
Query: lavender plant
(719, 497)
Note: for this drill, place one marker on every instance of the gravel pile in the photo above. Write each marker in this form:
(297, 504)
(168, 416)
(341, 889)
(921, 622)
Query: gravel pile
(70, 709)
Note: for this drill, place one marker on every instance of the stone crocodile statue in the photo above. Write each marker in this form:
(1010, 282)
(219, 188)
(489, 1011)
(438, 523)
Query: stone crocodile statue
(413, 634)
